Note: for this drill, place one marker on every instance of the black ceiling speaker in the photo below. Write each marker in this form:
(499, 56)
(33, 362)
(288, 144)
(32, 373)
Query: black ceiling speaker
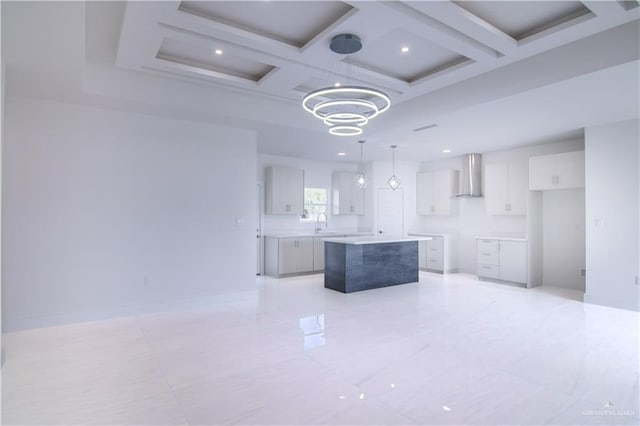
(346, 44)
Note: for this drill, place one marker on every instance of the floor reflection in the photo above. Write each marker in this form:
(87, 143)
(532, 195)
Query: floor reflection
(313, 329)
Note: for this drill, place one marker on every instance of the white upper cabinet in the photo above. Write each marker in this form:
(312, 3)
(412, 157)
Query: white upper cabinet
(505, 188)
(557, 171)
(284, 190)
(348, 197)
(435, 191)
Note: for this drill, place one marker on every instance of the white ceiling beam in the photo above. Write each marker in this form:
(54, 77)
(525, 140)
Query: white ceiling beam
(435, 31)
(467, 23)
(605, 8)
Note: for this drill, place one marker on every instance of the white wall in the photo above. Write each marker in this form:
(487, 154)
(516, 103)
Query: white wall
(563, 238)
(108, 213)
(612, 212)
(471, 220)
(317, 174)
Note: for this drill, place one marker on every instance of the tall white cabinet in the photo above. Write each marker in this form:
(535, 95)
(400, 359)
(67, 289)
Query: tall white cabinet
(435, 191)
(284, 190)
(557, 171)
(505, 188)
(348, 197)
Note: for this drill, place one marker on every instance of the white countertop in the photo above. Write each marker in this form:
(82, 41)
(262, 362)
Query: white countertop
(428, 234)
(324, 234)
(375, 239)
(503, 238)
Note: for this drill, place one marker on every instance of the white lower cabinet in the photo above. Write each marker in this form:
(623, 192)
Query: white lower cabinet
(296, 255)
(288, 255)
(513, 261)
(422, 254)
(438, 254)
(502, 259)
(318, 254)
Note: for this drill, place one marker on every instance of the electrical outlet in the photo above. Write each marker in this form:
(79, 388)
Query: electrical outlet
(145, 281)
(583, 272)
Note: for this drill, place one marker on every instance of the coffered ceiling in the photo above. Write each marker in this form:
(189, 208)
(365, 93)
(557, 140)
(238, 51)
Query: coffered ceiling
(281, 48)
(477, 76)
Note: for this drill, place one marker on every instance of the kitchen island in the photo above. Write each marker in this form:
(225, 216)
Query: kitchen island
(363, 263)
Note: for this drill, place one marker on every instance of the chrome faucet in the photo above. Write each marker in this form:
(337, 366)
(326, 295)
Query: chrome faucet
(326, 221)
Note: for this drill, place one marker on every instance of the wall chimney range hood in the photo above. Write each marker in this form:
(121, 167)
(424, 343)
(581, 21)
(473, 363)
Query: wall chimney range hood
(471, 180)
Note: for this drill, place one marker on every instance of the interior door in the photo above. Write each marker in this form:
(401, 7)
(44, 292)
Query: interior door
(390, 211)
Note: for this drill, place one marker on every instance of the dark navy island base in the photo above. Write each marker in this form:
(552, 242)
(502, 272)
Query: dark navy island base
(356, 267)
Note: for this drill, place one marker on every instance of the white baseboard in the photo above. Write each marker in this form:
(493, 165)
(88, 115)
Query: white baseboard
(627, 304)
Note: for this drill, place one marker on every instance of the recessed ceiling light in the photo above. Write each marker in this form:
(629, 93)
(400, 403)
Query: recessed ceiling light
(337, 84)
(218, 51)
(446, 151)
(404, 49)
(342, 154)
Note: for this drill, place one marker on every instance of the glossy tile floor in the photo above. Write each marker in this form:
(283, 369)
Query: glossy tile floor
(449, 350)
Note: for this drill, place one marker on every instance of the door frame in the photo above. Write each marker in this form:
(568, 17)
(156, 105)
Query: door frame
(259, 236)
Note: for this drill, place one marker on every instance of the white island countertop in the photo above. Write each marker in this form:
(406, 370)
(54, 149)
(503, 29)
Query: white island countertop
(376, 239)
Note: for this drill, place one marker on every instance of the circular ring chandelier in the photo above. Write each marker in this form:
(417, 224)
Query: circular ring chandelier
(346, 109)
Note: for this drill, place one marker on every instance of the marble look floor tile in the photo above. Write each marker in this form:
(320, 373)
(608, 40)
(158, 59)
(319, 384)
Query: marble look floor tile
(446, 350)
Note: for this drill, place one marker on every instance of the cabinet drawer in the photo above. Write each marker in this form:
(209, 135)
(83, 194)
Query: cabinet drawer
(434, 245)
(434, 256)
(434, 263)
(488, 258)
(488, 246)
(488, 271)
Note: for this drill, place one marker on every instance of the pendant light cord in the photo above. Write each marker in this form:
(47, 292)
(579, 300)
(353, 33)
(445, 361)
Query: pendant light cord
(393, 166)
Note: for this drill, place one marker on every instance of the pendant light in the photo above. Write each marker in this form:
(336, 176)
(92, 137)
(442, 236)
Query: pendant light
(361, 180)
(346, 108)
(393, 181)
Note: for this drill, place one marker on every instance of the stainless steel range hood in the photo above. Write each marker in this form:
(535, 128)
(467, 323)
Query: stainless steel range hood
(471, 180)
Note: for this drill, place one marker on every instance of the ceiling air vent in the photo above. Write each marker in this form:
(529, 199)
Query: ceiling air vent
(429, 126)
